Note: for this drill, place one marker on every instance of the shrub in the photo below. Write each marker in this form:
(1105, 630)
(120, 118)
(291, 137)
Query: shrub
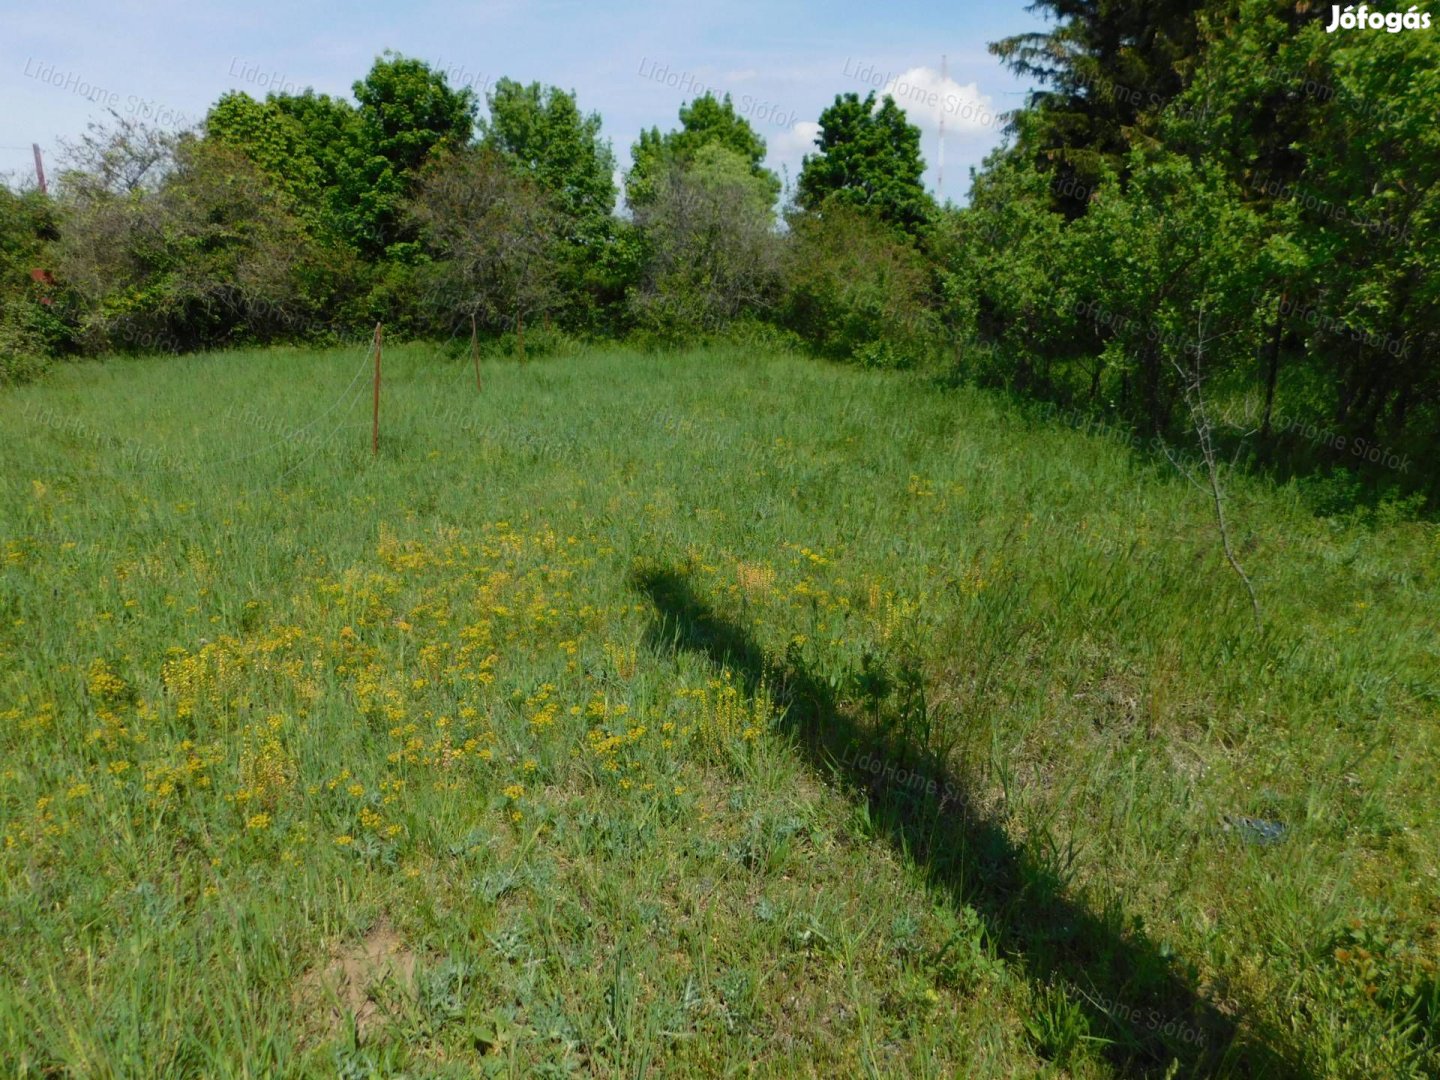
(711, 253)
(213, 253)
(22, 350)
(492, 233)
(854, 289)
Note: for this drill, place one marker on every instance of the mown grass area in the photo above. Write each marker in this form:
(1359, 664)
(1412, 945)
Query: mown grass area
(707, 713)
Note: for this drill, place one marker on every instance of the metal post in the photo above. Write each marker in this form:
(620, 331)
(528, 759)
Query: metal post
(375, 429)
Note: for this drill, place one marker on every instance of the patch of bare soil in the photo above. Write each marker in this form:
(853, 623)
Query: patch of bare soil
(357, 979)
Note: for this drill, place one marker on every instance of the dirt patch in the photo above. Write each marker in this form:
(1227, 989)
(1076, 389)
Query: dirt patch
(753, 578)
(359, 978)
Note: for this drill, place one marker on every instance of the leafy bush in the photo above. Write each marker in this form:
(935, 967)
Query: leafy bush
(31, 326)
(711, 251)
(22, 350)
(493, 233)
(213, 253)
(997, 264)
(855, 289)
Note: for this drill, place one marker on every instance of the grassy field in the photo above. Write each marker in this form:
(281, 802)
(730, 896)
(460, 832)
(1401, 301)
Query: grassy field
(708, 714)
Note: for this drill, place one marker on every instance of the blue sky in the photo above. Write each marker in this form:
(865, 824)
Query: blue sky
(634, 62)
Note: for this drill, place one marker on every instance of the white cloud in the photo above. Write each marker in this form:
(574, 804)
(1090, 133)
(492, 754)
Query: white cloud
(926, 97)
(799, 138)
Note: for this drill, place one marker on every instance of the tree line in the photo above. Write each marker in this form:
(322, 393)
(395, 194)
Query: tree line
(1210, 194)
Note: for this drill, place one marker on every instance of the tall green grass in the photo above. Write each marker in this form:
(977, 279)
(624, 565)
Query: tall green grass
(690, 713)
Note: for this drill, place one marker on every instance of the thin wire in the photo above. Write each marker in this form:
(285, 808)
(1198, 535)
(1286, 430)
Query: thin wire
(364, 363)
(217, 462)
(326, 441)
(462, 372)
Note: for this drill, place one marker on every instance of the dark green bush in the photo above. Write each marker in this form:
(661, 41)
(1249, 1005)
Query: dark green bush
(855, 289)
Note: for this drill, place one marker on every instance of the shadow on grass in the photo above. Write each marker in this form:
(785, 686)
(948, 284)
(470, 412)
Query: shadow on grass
(1151, 1018)
(1333, 474)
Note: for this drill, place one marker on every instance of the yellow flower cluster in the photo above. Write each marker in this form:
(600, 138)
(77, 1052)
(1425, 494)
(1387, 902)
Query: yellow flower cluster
(104, 685)
(724, 714)
(225, 673)
(267, 770)
(167, 780)
(432, 666)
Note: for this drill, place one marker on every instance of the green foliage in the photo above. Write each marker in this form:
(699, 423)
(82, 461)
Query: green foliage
(216, 252)
(705, 121)
(710, 245)
(997, 261)
(492, 231)
(1311, 155)
(32, 321)
(1370, 225)
(1102, 68)
(1162, 274)
(273, 141)
(22, 352)
(406, 112)
(868, 156)
(308, 145)
(329, 129)
(542, 133)
(25, 222)
(855, 289)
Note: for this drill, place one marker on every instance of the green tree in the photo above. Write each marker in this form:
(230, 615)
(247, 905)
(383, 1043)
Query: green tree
(868, 156)
(710, 243)
(492, 232)
(1102, 66)
(1161, 269)
(309, 146)
(273, 140)
(330, 128)
(543, 134)
(407, 111)
(855, 290)
(1370, 201)
(703, 122)
(996, 261)
(1342, 158)
(215, 254)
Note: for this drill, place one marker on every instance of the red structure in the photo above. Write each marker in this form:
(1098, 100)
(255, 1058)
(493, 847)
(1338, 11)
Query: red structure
(43, 277)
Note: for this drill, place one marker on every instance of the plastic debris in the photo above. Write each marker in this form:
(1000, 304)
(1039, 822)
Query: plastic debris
(1257, 830)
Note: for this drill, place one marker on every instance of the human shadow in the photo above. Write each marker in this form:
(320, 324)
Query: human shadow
(1146, 1011)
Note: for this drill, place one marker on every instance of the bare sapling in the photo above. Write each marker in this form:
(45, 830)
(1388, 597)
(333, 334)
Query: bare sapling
(1192, 381)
